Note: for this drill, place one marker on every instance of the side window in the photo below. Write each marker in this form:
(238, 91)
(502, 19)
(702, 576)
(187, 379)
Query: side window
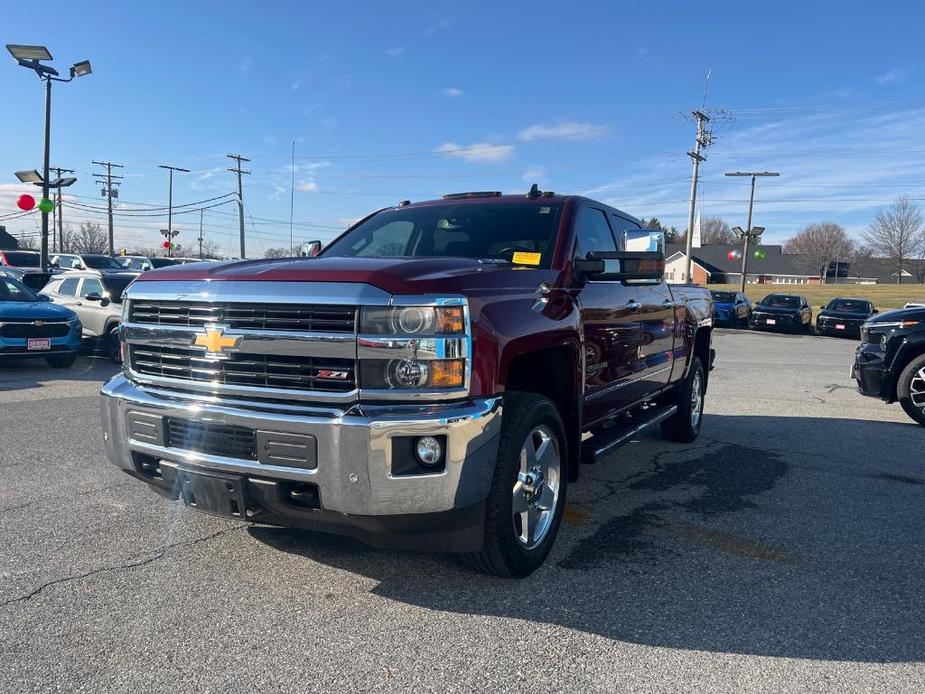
(69, 286)
(592, 233)
(91, 285)
(388, 240)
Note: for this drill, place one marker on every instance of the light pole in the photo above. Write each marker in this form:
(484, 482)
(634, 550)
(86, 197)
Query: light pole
(752, 234)
(170, 170)
(31, 57)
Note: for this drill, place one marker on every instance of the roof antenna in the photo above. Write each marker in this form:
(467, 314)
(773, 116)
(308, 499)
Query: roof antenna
(534, 191)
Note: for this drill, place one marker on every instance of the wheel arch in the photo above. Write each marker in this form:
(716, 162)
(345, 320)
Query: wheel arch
(908, 350)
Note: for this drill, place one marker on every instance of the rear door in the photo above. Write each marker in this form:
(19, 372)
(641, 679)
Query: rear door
(92, 314)
(610, 323)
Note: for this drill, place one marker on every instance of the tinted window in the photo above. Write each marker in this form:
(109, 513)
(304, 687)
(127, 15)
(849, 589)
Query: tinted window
(782, 301)
(162, 262)
(592, 233)
(11, 290)
(855, 305)
(69, 286)
(101, 262)
(466, 230)
(91, 285)
(68, 261)
(20, 259)
(724, 297)
(115, 286)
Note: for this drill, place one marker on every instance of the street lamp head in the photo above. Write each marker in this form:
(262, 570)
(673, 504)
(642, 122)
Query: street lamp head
(32, 176)
(80, 69)
(738, 231)
(757, 231)
(62, 182)
(23, 52)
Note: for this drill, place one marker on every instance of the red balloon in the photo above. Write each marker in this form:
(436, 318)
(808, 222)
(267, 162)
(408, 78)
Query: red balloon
(731, 255)
(166, 244)
(25, 202)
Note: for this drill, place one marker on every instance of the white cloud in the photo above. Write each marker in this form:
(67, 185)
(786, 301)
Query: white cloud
(478, 151)
(307, 187)
(452, 92)
(893, 76)
(395, 52)
(563, 130)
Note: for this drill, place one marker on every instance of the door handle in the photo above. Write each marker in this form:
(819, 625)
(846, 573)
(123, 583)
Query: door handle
(633, 305)
(667, 303)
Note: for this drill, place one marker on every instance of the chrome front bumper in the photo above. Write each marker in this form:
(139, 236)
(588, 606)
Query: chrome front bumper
(354, 447)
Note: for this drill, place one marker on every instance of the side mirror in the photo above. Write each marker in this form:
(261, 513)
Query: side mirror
(621, 266)
(310, 248)
(94, 296)
(44, 297)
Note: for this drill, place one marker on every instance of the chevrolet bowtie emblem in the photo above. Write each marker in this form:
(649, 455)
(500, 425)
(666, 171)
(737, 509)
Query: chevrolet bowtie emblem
(215, 341)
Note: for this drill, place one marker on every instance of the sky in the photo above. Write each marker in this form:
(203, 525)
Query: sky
(412, 100)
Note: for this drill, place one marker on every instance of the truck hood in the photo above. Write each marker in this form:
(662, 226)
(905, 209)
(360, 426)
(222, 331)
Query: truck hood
(393, 275)
(34, 310)
(897, 315)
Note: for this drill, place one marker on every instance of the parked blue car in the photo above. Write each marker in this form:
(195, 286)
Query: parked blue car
(731, 308)
(32, 326)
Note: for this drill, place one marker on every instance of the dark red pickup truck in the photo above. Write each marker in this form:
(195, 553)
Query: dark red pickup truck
(429, 381)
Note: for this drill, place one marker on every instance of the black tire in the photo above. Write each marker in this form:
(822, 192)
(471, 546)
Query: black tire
(682, 426)
(904, 388)
(113, 345)
(61, 361)
(503, 554)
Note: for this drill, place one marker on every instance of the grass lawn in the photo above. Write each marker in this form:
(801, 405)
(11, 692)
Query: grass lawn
(883, 296)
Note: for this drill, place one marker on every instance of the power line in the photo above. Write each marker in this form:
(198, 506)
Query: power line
(106, 180)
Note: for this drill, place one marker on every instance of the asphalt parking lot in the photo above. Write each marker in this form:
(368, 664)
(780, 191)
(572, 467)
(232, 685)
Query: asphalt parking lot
(783, 551)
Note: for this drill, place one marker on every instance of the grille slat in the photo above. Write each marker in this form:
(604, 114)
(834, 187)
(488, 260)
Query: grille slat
(216, 439)
(306, 318)
(271, 371)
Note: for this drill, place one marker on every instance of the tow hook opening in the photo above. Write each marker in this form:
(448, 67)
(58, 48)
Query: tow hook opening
(147, 465)
(301, 494)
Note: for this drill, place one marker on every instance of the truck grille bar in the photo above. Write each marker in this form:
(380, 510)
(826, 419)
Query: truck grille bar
(270, 317)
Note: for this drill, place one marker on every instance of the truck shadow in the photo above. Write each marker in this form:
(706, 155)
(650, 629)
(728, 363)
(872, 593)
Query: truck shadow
(796, 537)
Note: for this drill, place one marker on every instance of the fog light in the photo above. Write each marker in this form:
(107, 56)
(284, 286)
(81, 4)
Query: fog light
(428, 450)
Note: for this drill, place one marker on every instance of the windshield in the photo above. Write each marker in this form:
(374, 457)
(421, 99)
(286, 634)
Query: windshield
(781, 301)
(20, 259)
(11, 290)
(852, 305)
(101, 262)
(115, 286)
(724, 297)
(522, 233)
(163, 262)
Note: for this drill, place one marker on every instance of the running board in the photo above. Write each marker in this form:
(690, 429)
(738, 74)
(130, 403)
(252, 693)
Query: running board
(606, 442)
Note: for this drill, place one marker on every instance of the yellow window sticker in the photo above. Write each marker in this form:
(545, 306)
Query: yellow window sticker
(525, 258)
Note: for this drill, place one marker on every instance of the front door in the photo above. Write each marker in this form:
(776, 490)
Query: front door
(610, 325)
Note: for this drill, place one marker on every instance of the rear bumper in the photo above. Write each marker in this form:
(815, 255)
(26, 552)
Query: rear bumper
(358, 485)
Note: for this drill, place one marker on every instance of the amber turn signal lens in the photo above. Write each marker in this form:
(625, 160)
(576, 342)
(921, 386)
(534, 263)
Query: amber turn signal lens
(447, 373)
(450, 319)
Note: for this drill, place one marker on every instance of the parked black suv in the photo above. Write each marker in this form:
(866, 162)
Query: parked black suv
(890, 363)
(844, 317)
(787, 312)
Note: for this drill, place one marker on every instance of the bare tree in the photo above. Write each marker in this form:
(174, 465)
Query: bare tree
(210, 249)
(89, 238)
(898, 234)
(716, 230)
(820, 244)
(280, 253)
(27, 242)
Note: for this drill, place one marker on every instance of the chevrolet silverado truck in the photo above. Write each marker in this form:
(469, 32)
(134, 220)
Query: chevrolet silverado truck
(431, 380)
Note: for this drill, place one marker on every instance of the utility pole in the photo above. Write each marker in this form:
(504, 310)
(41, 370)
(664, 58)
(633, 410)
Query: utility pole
(58, 211)
(200, 233)
(703, 139)
(238, 170)
(106, 180)
(170, 170)
(750, 233)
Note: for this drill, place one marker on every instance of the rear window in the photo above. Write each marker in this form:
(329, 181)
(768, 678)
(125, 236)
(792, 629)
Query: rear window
(101, 262)
(20, 259)
(163, 262)
(724, 297)
(853, 305)
(521, 233)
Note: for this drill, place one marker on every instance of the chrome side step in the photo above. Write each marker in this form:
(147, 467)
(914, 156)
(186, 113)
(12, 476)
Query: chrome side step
(601, 445)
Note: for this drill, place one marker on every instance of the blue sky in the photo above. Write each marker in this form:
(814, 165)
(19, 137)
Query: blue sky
(412, 100)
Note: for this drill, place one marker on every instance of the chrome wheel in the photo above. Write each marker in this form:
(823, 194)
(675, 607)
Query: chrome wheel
(536, 491)
(696, 400)
(917, 389)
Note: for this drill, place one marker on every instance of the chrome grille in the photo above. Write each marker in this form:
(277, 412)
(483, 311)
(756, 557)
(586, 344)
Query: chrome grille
(246, 369)
(271, 317)
(212, 438)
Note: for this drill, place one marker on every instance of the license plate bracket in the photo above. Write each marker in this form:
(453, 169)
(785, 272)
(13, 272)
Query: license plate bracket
(213, 492)
(38, 344)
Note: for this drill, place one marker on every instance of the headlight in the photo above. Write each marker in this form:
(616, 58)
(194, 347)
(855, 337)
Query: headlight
(412, 374)
(412, 320)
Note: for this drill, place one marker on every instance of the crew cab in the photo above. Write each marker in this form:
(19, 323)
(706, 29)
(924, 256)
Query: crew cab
(890, 363)
(431, 380)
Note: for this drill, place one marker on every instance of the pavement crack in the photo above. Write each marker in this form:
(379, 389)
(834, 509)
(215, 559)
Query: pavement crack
(40, 499)
(130, 564)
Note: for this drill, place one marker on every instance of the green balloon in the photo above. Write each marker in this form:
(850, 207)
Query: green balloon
(46, 205)
(760, 254)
